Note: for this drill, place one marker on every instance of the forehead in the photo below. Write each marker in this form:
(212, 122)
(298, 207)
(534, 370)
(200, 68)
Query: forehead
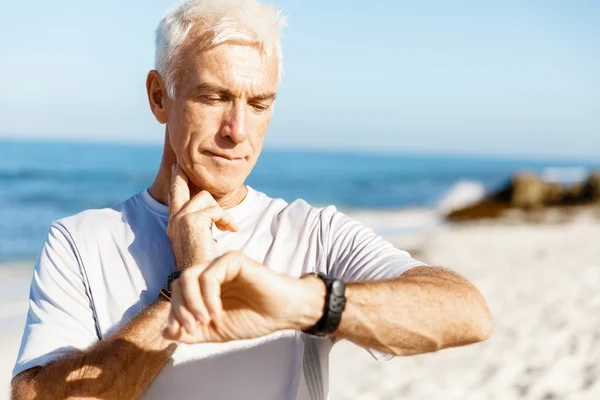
(244, 69)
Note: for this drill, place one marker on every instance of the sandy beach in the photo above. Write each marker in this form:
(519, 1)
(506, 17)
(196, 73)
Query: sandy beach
(14, 292)
(541, 283)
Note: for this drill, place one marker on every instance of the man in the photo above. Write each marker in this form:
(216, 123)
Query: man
(104, 320)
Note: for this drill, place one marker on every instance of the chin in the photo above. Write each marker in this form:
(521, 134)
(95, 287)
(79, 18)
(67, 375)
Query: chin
(217, 183)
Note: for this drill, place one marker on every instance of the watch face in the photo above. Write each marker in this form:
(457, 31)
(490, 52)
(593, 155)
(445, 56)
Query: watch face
(338, 288)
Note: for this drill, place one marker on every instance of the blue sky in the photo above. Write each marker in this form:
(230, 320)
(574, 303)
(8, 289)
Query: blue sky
(505, 77)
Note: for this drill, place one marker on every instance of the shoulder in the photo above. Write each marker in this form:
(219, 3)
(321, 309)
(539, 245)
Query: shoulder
(92, 230)
(298, 211)
(94, 220)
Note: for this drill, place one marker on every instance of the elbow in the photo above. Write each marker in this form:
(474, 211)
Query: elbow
(473, 323)
(23, 386)
(482, 325)
(23, 391)
(467, 331)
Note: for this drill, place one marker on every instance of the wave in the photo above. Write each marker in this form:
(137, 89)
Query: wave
(464, 193)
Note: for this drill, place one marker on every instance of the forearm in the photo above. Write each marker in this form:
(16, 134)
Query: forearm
(424, 310)
(120, 367)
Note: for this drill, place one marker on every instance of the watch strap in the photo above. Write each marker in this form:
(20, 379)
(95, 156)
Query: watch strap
(165, 293)
(172, 276)
(335, 303)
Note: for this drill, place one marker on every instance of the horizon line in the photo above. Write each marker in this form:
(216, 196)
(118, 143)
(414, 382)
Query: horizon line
(115, 141)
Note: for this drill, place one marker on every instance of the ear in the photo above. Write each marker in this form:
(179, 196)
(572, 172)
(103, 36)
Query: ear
(157, 96)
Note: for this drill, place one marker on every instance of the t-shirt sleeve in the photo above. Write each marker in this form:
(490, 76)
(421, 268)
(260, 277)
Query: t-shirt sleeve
(356, 253)
(60, 317)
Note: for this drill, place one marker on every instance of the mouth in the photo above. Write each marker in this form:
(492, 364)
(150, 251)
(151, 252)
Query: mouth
(224, 157)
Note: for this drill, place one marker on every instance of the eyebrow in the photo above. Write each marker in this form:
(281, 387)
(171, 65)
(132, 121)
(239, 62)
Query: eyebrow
(213, 88)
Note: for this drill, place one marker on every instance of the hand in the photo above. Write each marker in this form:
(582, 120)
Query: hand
(239, 298)
(190, 223)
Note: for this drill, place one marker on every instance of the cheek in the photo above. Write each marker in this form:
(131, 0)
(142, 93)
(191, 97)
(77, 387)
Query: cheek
(181, 127)
(191, 125)
(177, 132)
(261, 126)
(255, 142)
(267, 121)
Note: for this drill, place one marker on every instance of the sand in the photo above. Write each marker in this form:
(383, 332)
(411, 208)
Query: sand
(14, 292)
(541, 282)
(542, 285)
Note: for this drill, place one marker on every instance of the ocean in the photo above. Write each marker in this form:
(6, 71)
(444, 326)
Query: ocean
(44, 181)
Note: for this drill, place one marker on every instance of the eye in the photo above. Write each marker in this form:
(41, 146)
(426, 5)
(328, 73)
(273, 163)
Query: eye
(260, 107)
(211, 99)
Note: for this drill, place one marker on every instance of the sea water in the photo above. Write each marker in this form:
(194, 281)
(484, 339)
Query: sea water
(44, 181)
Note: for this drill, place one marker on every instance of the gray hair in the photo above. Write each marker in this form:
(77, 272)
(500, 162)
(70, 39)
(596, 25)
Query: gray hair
(218, 21)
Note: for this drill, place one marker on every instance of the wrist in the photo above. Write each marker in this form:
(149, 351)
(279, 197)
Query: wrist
(311, 302)
(335, 302)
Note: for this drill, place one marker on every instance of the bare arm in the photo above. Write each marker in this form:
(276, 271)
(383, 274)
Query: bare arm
(120, 367)
(124, 365)
(424, 310)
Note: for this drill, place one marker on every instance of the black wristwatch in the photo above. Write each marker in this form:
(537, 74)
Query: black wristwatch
(165, 293)
(335, 302)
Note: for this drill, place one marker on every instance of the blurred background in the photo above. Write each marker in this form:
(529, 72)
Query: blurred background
(466, 132)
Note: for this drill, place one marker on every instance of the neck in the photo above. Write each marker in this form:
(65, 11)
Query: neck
(162, 184)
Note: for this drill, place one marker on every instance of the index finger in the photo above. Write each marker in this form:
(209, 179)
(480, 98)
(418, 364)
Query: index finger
(179, 194)
(226, 223)
(222, 270)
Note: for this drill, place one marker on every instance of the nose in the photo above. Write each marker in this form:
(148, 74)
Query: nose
(235, 123)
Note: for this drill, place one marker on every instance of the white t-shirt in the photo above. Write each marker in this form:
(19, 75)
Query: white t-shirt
(98, 269)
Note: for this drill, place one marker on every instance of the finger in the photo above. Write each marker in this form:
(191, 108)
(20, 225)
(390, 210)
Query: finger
(183, 315)
(179, 194)
(173, 327)
(176, 335)
(175, 332)
(189, 339)
(200, 335)
(182, 336)
(221, 218)
(191, 294)
(224, 269)
(227, 223)
(211, 293)
(204, 201)
(200, 201)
